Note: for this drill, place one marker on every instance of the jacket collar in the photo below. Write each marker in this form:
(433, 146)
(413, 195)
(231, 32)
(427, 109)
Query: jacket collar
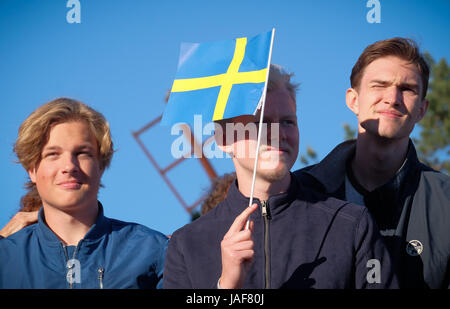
(276, 202)
(96, 232)
(331, 171)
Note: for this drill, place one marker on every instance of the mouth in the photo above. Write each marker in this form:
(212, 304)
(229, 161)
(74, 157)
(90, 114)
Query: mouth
(72, 184)
(276, 149)
(390, 114)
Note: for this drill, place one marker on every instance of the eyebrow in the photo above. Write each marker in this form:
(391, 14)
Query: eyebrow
(79, 147)
(50, 148)
(385, 83)
(288, 116)
(379, 81)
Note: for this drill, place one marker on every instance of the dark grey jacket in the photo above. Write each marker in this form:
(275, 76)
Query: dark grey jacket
(412, 211)
(305, 240)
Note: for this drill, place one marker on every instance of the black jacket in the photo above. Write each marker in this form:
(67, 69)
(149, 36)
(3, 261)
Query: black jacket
(305, 241)
(412, 212)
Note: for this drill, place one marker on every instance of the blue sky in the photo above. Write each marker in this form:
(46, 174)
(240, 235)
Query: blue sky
(122, 58)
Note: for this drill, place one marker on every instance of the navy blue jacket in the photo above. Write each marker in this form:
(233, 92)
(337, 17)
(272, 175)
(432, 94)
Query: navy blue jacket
(412, 211)
(113, 254)
(306, 240)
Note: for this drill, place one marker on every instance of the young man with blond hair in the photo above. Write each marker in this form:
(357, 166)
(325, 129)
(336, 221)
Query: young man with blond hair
(65, 146)
(296, 238)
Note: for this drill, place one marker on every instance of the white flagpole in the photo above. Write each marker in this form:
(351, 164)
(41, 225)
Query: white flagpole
(247, 225)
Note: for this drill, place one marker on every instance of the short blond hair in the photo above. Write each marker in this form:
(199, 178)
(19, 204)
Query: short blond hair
(34, 133)
(278, 78)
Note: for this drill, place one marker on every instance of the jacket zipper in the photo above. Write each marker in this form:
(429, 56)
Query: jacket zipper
(69, 268)
(266, 216)
(101, 271)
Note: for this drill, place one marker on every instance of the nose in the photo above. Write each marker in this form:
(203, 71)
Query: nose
(275, 134)
(393, 95)
(69, 163)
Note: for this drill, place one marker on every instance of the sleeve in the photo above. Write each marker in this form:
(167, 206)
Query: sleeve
(175, 270)
(160, 265)
(374, 268)
(150, 250)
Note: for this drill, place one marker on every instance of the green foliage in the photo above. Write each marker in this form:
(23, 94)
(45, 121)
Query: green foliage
(309, 158)
(433, 146)
(349, 132)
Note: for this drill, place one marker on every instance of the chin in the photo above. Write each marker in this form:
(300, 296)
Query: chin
(391, 135)
(71, 204)
(274, 174)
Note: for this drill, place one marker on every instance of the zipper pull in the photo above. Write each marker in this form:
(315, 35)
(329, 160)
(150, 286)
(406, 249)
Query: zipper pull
(264, 208)
(100, 270)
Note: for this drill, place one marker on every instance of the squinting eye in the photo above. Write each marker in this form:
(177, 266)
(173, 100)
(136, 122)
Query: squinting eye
(85, 153)
(287, 122)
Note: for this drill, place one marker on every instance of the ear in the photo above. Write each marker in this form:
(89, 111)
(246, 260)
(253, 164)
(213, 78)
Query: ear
(351, 99)
(32, 174)
(225, 148)
(422, 109)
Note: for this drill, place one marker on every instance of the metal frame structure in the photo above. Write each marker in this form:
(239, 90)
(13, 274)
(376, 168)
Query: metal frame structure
(195, 146)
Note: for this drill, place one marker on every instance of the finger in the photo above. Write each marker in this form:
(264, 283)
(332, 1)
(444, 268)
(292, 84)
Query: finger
(246, 256)
(231, 239)
(33, 216)
(242, 245)
(240, 220)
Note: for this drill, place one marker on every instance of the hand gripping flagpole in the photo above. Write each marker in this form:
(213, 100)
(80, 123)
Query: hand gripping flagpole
(247, 225)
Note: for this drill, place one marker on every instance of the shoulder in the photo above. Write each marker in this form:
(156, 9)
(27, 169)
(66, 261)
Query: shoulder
(320, 202)
(437, 180)
(433, 189)
(18, 241)
(342, 209)
(20, 236)
(136, 232)
(207, 227)
(432, 198)
(306, 179)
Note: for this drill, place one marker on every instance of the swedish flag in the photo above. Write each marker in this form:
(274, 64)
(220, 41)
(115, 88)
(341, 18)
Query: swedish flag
(219, 80)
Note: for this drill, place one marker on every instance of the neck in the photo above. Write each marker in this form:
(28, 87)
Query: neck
(377, 161)
(264, 188)
(70, 227)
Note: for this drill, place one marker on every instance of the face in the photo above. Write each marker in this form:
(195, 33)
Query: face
(279, 142)
(388, 101)
(68, 175)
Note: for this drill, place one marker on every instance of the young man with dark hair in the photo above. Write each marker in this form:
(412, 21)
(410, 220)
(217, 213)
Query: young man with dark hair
(409, 201)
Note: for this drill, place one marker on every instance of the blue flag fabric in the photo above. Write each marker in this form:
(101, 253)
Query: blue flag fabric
(219, 80)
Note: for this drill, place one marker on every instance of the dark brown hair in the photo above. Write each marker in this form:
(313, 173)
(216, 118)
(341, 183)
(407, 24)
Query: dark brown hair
(402, 48)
